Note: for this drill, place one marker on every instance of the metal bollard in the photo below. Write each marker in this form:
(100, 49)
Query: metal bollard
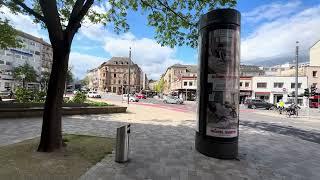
(122, 144)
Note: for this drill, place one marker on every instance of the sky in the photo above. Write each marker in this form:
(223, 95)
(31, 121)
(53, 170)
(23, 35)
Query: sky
(269, 29)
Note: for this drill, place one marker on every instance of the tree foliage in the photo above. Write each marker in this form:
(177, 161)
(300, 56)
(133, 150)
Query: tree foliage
(175, 21)
(159, 87)
(26, 70)
(8, 38)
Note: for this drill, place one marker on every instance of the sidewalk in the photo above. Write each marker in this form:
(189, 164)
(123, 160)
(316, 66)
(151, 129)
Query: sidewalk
(162, 147)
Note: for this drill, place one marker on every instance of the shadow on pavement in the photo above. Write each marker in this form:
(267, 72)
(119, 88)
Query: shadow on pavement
(285, 130)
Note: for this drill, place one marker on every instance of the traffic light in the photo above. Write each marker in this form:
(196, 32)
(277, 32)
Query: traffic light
(306, 92)
(313, 90)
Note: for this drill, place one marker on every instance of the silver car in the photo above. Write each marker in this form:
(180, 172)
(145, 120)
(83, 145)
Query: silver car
(172, 100)
(131, 98)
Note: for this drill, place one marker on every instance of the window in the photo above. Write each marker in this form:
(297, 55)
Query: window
(8, 63)
(262, 85)
(314, 73)
(314, 84)
(17, 56)
(37, 53)
(119, 82)
(32, 43)
(8, 54)
(240, 84)
(190, 83)
(185, 83)
(246, 84)
(1, 62)
(278, 85)
(293, 85)
(114, 75)
(25, 57)
(116, 62)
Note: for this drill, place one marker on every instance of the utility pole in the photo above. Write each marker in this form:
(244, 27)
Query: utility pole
(297, 72)
(129, 64)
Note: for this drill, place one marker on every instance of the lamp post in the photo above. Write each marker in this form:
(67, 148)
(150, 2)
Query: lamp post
(297, 73)
(23, 76)
(218, 84)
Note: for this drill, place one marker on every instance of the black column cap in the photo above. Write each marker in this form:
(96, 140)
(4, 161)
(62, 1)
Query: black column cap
(220, 16)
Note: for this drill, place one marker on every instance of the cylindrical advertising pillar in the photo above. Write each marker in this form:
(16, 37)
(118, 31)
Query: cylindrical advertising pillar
(218, 84)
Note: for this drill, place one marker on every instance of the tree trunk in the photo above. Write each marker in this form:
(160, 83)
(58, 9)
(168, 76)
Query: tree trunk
(51, 134)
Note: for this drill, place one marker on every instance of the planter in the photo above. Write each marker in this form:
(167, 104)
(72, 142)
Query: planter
(21, 112)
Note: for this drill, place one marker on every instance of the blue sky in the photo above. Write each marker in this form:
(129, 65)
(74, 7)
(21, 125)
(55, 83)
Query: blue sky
(269, 29)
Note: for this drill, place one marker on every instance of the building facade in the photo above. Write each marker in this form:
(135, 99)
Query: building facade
(311, 72)
(181, 80)
(35, 51)
(114, 76)
(93, 78)
(315, 54)
(245, 88)
(273, 89)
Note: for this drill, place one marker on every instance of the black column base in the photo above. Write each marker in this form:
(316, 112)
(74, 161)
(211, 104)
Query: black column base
(211, 147)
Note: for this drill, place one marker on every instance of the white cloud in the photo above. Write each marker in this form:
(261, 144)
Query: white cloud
(271, 11)
(278, 37)
(22, 22)
(147, 53)
(81, 63)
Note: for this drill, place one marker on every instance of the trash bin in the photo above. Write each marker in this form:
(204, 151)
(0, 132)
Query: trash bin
(122, 144)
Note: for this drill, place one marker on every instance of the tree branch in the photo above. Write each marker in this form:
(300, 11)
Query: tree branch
(175, 13)
(77, 14)
(52, 21)
(29, 10)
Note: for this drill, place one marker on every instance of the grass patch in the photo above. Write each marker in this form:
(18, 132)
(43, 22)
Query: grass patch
(96, 103)
(22, 161)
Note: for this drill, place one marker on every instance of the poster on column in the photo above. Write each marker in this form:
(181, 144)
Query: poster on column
(223, 84)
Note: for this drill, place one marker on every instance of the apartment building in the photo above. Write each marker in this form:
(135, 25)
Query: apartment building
(114, 76)
(272, 89)
(93, 78)
(245, 87)
(35, 51)
(181, 80)
(315, 54)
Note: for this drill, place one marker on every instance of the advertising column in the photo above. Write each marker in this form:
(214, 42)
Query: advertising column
(218, 84)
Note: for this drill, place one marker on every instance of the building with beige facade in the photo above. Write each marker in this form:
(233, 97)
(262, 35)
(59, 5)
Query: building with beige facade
(114, 76)
(181, 80)
(315, 54)
(93, 78)
(311, 72)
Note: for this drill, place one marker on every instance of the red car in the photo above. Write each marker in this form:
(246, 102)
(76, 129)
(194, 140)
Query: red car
(140, 96)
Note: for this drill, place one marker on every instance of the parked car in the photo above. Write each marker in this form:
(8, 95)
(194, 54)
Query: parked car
(131, 98)
(141, 96)
(93, 94)
(172, 100)
(258, 103)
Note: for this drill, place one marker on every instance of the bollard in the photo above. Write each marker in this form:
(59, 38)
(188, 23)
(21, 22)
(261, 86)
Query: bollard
(122, 144)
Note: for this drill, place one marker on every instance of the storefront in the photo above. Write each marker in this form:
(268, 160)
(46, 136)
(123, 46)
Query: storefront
(244, 95)
(265, 96)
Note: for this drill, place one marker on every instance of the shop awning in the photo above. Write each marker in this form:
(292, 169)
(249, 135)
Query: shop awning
(263, 93)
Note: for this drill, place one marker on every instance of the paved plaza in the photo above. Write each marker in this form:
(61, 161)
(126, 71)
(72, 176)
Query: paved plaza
(162, 146)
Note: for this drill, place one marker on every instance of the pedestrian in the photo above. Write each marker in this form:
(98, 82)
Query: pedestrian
(11, 94)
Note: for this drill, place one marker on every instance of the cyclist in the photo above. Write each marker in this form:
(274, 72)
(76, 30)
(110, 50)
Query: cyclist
(281, 106)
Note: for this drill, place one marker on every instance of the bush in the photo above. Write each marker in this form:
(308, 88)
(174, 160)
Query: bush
(23, 95)
(79, 98)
